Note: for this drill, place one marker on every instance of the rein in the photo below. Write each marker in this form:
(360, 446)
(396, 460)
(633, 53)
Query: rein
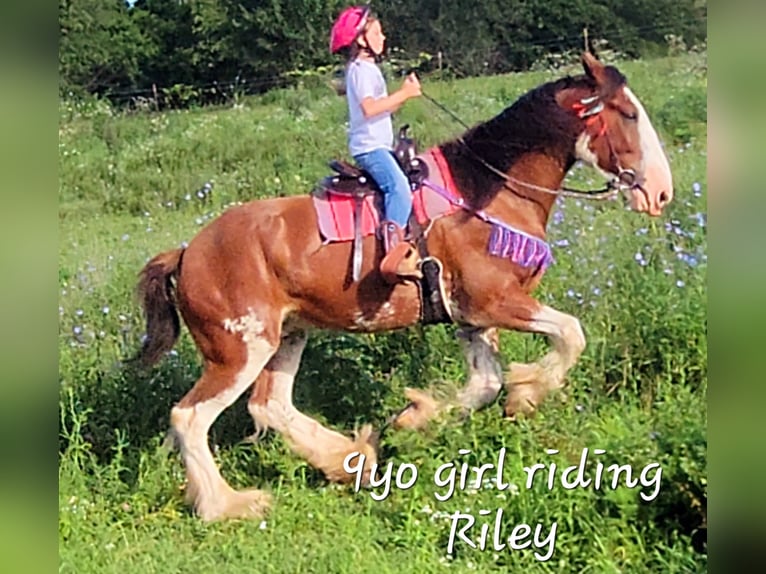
(609, 191)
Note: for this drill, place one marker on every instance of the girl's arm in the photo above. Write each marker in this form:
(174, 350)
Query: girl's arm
(410, 89)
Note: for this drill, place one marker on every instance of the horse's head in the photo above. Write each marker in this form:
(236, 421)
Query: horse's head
(618, 138)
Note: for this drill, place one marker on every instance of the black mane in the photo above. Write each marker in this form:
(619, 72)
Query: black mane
(535, 122)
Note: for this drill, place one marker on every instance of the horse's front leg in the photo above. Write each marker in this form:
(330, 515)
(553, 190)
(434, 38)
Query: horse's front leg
(485, 376)
(529, 383)
(485, 373)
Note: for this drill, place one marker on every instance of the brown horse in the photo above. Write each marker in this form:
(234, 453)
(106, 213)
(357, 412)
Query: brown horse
(255, 281)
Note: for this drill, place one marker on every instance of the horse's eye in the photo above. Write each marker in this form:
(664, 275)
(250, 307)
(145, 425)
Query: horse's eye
(632, 116)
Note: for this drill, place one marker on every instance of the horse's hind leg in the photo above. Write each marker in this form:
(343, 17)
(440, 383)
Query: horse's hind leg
(480, 348)
(242, 348)
(271, 406)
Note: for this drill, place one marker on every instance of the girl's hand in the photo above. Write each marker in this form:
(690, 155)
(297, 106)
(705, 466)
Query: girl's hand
(411, 86)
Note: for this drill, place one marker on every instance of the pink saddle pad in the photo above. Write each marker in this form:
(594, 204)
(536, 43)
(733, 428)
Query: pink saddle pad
(335, 212)
(335, 216)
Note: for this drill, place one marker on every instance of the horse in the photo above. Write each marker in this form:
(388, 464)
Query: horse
(253, 283)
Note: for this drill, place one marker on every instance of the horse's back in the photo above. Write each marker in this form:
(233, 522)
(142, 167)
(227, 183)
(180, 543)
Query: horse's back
(262, 222)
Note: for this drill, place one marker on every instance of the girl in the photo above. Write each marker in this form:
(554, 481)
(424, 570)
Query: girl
(359, 36)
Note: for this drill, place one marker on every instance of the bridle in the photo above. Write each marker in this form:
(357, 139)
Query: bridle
(589, 108)
(626, 179)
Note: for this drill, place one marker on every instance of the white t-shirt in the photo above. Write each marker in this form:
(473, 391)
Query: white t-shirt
(364, 79)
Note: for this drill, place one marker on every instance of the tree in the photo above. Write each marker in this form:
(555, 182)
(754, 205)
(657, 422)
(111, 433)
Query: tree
(100, 47)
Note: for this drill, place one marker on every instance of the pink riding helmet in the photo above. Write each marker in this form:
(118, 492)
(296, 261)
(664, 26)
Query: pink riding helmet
(347, 27)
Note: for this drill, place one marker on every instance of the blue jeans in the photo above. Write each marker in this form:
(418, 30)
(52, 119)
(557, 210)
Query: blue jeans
(381, 164)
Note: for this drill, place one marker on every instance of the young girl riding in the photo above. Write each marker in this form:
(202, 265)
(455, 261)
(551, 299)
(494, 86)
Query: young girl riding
(359, 37)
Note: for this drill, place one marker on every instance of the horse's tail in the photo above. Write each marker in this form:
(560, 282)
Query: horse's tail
(157, 296)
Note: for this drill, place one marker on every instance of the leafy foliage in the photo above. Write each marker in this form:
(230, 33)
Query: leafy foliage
(218, 48)
(101, 47)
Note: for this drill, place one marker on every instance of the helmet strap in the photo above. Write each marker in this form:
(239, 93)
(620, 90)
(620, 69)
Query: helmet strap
(366, 48)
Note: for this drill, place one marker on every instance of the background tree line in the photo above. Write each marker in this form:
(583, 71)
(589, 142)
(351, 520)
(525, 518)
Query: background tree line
(198, 51)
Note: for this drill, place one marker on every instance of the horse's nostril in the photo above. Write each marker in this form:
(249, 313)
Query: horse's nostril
(663, 198)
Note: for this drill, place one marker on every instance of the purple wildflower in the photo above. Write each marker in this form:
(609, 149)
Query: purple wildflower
(700, 218)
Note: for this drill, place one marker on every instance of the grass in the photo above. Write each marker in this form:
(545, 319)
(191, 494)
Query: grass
(134, 184)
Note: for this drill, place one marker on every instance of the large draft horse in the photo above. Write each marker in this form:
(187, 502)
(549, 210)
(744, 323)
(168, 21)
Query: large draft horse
(255, 281)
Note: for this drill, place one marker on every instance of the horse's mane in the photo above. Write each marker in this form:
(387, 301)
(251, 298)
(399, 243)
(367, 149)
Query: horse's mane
(535, 122)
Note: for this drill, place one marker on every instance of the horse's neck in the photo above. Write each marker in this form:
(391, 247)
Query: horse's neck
(533, 144)
(474, 168)
(522, 201)
(532, 175)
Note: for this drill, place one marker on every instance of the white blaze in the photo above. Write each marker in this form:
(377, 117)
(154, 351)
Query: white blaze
(657, 174)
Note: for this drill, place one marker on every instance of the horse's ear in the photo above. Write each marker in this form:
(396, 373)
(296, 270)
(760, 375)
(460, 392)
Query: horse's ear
(607, 78)
(593, 68)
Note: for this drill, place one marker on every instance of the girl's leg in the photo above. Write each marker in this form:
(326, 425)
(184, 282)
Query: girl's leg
(401, 258)
(397, 196)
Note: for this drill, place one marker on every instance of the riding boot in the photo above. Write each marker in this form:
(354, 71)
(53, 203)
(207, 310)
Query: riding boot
(401, 259)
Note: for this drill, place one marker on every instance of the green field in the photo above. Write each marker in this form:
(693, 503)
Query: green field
(132, 185)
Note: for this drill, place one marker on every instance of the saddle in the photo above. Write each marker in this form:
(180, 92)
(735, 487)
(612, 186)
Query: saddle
(352, 181)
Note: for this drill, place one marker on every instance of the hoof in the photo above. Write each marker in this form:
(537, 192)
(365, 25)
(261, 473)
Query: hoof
(245, 504)
(418, 413)
(527, 389)
(366, 443)
(523, 399)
